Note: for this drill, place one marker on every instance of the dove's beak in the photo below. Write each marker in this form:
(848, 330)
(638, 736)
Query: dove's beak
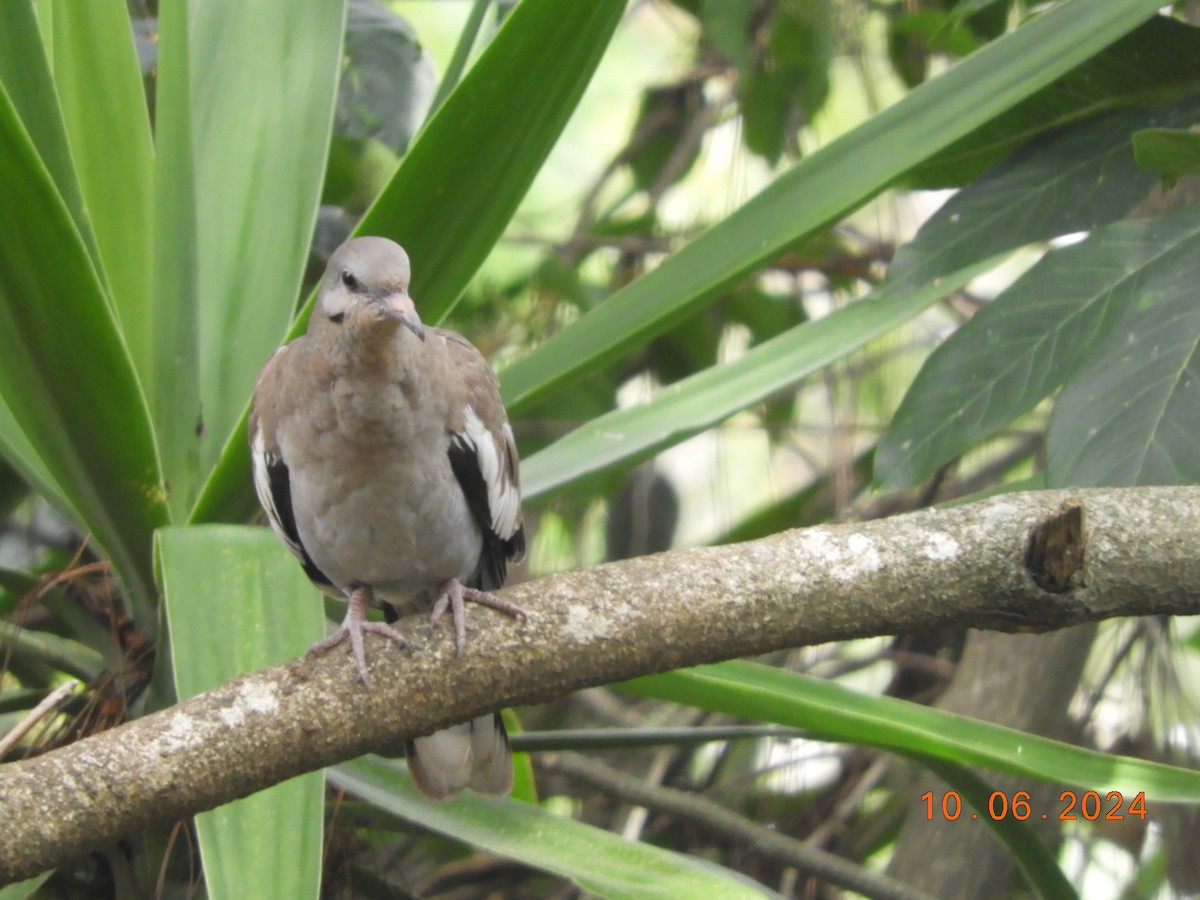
(400, 306)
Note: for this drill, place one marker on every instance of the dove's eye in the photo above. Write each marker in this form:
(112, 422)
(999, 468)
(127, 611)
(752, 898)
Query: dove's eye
(350, 281)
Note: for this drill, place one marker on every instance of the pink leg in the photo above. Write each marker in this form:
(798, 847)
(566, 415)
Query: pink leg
(452, 594)
(353, 626)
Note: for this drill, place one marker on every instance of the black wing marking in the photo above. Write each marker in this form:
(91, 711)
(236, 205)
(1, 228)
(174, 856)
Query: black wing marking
(493, 561)
(274, 487)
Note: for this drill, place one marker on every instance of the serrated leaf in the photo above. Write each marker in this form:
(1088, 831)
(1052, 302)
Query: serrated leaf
(1028, 341)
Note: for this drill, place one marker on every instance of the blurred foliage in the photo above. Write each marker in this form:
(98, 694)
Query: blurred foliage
(141, 287)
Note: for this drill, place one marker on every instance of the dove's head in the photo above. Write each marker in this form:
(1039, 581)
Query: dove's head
(365, 288)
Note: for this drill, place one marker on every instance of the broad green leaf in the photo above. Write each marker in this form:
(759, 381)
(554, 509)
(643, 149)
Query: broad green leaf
(264, 77)
(461, 182)
(830, 712)
(173, 387)
(1131, 414)
(701, 400)
(25, 75)
(1029, 340)
(600, 862)
(825, 186)
(473, 162)
(237, 601)
(1157, 63)
(1073, 180)
(1171, 152)
(104, 104)
(65, 374)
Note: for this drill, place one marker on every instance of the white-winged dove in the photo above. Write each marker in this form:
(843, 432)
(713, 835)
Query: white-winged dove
(385, 462)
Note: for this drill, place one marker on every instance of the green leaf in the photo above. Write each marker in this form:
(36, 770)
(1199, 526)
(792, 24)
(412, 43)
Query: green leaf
(695, 403)
(23, 889)
(1131, 414)
(830, 712)
(598, 861)
(58, 653)
(1171, 152)
(825, 186)
(25, 75)
(1074, 180)
(1029, 340)
(454, 69)
(263, 77)
(664, 116)
(1154, 64)
(173, 388)
(16, 449)
(108, 125)
(475, 160)
(65, 374)
(237, 601)
(727, 25)
(789, 80)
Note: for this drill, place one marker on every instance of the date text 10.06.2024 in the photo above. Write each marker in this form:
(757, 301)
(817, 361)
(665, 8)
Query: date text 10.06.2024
(1089, 806)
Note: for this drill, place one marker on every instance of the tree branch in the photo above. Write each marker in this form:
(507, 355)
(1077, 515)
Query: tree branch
(1134, 554)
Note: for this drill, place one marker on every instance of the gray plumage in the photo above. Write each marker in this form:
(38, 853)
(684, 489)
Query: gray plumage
(385, 462)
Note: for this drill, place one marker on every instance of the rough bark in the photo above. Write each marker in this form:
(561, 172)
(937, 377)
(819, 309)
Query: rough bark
(963, 567)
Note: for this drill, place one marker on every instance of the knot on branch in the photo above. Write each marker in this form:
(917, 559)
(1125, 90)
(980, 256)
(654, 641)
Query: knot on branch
(1054, 551)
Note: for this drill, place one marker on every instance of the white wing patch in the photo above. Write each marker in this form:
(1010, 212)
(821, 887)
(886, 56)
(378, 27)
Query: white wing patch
(266, 497)
(504, 497)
